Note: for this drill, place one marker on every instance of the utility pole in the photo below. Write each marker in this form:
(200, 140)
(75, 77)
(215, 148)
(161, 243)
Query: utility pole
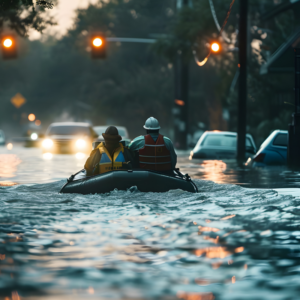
(180, 109)
(242, 101)
(293, 156)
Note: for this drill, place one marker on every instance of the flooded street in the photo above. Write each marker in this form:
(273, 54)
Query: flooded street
(226, 242)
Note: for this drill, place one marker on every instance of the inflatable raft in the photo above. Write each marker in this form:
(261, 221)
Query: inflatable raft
(144, 180)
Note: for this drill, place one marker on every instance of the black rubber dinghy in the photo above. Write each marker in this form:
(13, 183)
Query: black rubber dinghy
(145, 181)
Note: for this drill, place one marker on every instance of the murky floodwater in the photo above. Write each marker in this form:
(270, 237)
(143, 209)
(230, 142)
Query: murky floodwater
(227, 242)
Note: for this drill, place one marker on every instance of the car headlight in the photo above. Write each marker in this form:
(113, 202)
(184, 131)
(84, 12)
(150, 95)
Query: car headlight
(47, 143)
(34, 136)
(80, 144)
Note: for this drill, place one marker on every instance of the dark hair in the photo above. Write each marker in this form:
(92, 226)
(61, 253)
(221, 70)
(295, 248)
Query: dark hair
(152, 131)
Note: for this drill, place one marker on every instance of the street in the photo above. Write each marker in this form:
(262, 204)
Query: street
(29, 166)
(145, 245)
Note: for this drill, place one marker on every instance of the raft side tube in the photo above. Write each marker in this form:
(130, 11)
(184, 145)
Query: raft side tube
(144, 180)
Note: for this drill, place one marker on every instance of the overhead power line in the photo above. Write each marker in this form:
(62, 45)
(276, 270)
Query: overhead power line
(203, 62)
(213, 12)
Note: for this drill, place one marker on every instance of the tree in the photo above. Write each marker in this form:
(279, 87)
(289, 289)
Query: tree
(20, 15)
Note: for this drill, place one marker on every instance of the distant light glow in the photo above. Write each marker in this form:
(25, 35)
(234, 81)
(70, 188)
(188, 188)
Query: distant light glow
(47, 156)
(7, 43)
(215, 47)
(6, 183)
(37, 122)
(31, 117)
(97, 42)
(179, 102)
(9, 146)
(47, 143)
(80, 144)
(80, 155)
(34, 136)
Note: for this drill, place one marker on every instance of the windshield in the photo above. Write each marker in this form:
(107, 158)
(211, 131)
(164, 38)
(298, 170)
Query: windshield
(70, 130)
(218, 140)
(101, 129)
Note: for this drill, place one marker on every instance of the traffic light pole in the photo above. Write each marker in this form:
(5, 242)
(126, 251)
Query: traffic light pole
(293, 157)
(242, 101)
(180, 110)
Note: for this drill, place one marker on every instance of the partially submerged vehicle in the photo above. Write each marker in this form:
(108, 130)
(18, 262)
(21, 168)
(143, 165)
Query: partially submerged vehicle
(144, 180)
(220, 145)
(273, 151)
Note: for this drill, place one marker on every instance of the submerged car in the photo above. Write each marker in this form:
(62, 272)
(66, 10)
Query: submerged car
(273, 151)
(220, 145)
(69, 137)
(2, 138)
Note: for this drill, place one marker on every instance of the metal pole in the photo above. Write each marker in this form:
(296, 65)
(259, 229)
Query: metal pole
(181, 93)
(242, 102)
(293, 150)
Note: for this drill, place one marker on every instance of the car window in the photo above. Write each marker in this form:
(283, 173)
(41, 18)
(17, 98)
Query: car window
(219, 140)
(223, 141)
(249, 143)
(93, 132)
(281, 140)
(69, 130)
(122, 132)
(100, 129)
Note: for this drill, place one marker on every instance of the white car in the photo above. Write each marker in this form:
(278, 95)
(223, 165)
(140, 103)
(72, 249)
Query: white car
(2, 138)
(69, 137)
(220, 145)
(101, 129)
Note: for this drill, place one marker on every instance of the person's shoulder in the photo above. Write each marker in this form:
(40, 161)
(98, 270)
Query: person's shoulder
(137, 139)
(141, 137)
(167, 139)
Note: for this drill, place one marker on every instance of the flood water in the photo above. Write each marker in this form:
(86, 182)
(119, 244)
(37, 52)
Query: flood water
(238, 238)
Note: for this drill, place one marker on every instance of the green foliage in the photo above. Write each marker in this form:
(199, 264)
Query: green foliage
(21, 15)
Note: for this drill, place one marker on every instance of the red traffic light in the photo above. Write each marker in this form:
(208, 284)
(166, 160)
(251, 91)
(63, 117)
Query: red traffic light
(8, 46)
(97, 42)
(215, 47)
(98, 45)
(7, 43)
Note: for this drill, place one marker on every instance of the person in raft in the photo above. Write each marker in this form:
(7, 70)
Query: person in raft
(155, 151)
(109, 155)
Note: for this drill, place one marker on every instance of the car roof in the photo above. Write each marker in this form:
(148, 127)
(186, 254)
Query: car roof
(82, 124)
(224, 133)
(105, 126)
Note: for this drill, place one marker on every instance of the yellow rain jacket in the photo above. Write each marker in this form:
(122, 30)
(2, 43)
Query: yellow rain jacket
(108, 163)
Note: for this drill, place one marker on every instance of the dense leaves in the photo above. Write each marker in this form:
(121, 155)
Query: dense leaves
(21, 15)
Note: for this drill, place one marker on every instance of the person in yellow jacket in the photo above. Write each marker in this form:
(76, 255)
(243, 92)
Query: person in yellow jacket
(109, 155)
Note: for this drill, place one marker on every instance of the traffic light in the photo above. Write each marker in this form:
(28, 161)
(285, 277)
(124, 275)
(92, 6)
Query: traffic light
(9, 47)
(98, 46)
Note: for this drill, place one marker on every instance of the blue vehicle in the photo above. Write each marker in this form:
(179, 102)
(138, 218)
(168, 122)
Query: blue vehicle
(273, 151)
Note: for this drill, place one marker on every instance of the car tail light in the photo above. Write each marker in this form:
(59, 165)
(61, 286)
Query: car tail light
(260, 157)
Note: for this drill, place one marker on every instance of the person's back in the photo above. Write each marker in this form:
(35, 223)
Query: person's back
(155, 151)
(110, 155)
